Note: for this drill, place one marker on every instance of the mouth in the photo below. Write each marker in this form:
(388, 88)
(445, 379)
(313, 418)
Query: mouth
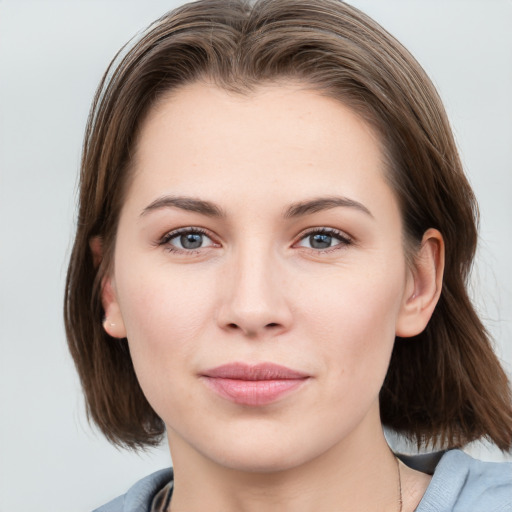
(253, 385)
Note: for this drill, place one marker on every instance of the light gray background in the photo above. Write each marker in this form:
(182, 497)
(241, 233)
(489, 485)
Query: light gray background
(52, 55)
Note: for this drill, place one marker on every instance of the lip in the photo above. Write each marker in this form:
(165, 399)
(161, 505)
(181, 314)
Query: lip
(248, 384)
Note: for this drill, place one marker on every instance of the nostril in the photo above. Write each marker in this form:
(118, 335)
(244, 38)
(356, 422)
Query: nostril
(273, 324)
(233, 326)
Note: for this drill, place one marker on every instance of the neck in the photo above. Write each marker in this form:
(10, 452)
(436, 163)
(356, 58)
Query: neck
(357, 474)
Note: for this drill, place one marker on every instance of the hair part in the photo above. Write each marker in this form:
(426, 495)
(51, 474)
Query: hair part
(444, 387)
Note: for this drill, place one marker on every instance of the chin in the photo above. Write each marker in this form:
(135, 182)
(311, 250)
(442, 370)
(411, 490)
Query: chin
(263, 463)
(266, 454)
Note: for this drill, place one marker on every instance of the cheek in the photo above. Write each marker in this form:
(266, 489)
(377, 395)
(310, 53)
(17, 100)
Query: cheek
(162, 323)
(354, 324)
(164, 315)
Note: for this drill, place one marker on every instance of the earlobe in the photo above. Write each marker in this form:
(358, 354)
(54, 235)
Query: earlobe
(423, 287)
(113, 322)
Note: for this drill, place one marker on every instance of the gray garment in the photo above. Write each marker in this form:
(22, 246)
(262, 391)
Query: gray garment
(459, 484)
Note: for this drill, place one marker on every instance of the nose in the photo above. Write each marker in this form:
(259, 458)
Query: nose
(254, 300)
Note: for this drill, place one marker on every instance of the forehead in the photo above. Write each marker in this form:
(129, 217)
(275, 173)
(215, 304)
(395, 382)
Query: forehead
(276, 141)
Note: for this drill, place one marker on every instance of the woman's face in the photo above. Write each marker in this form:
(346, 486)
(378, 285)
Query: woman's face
(259, 231)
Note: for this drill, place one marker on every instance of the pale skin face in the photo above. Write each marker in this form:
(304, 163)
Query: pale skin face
(257, 229)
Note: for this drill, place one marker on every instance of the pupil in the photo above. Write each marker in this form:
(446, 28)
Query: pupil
(320, 241)
(191, 240)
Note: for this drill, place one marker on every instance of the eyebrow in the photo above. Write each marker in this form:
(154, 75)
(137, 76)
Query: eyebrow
(294, 210)
(185, 203)
(323, 203)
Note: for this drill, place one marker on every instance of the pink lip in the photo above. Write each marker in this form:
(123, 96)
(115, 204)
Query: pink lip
(259, 384)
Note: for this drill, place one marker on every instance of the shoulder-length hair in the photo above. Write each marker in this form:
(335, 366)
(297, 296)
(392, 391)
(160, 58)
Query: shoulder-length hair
(444, 387)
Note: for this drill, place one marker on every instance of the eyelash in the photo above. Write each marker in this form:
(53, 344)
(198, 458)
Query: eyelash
(165, 240)
(342, 237)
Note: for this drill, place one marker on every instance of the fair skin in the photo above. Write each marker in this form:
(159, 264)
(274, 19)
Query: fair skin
(263, 271)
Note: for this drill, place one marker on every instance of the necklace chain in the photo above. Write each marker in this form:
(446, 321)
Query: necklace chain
(400, 502)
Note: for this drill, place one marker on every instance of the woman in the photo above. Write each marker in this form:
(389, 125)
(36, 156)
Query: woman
(273, 244)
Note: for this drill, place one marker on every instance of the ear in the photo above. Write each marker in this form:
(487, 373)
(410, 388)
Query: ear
(423, 286)
(113, 322)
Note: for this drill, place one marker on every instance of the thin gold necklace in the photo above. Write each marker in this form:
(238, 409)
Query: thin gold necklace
(400, 503)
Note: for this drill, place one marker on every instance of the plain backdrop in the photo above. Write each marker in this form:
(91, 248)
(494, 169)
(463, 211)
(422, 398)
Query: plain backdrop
(52, 56)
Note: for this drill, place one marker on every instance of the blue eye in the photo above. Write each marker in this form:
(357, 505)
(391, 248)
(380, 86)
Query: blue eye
(320, 241)
(323, 239)
(188, 239)
(191, 240)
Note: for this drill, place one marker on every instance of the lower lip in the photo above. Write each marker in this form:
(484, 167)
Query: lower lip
(253, 392)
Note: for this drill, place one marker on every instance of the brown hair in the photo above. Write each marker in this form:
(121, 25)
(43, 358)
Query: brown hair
(444, 388)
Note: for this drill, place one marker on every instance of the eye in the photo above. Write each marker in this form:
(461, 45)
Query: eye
(323, 239)
(186, 239)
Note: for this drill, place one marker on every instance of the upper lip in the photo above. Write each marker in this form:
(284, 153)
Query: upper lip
(260, 371)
